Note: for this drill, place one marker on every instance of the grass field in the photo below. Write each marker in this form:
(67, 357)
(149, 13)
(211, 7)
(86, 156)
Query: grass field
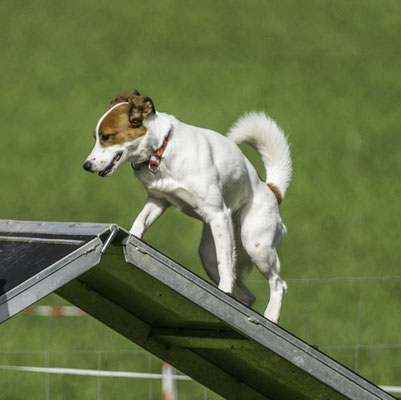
(328, 72)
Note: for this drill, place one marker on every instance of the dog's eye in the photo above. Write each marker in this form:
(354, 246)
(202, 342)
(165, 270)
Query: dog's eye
(105, 138)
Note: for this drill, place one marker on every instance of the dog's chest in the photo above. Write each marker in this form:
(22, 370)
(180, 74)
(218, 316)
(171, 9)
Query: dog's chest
(166, 187)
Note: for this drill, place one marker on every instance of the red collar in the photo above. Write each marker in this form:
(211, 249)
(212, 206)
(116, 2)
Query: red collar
(156, 158)
(154, 162)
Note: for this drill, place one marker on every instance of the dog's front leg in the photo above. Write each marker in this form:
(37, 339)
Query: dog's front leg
(154, 207)
(223, 235)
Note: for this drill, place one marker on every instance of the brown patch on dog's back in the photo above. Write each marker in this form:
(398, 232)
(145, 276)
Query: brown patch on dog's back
(276, 192)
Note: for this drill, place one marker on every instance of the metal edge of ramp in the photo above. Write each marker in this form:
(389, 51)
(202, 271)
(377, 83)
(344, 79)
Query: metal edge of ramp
(53, 228)
(67, 268)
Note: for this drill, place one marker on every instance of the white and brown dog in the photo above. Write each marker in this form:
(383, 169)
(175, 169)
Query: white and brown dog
(205, 175)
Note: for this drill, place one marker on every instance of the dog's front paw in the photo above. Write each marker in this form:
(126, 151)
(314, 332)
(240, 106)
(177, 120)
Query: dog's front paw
(226, 287)
(271, 316)
(135, 231)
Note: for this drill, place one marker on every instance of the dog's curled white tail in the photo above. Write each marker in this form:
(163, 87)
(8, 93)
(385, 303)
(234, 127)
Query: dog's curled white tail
(263, 133)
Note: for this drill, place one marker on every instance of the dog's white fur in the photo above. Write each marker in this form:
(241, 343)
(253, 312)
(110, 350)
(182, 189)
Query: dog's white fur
(205, 175)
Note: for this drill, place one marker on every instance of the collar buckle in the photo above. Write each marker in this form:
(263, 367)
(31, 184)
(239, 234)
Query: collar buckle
(155, 160)
(154, 163)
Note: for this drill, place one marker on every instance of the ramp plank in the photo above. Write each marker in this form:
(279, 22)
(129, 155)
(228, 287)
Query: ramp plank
(169, 311)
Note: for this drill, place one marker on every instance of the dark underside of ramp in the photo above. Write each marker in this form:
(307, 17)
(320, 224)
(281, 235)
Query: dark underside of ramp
(167, 310)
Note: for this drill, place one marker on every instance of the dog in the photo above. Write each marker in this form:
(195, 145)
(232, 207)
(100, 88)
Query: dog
(205, 175)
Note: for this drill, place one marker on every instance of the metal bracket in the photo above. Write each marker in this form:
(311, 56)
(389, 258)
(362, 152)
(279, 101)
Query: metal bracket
(113, 232)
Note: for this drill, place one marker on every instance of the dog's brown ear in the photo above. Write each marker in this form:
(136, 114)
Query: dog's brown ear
(140, 108)
(123, 97)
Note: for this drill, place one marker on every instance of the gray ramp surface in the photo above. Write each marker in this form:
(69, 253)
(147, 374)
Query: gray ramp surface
(167, 310)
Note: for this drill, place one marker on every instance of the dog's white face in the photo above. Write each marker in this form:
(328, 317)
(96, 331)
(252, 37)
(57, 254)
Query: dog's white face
(116, 133)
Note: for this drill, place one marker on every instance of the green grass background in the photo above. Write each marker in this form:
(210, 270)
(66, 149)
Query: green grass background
(327, 71)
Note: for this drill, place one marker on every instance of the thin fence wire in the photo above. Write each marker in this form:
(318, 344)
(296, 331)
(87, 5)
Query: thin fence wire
(337, 279)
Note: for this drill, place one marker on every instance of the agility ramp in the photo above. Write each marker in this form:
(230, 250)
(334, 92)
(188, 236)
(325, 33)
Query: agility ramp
(167, 310)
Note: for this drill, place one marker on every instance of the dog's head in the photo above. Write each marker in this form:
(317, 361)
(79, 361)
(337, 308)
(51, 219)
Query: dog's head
(117, 130)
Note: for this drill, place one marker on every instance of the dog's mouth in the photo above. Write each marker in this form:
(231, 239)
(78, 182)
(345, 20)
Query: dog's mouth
(112, 166)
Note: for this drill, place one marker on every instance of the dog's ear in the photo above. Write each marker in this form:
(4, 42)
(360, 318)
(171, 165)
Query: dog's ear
(123, 97)
(140, 108)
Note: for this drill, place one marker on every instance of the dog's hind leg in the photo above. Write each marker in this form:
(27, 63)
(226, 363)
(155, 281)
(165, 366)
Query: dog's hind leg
(278, 289)
(261, 237)
(268, 265)
(207, 252)
(243, 294)
(243, 267)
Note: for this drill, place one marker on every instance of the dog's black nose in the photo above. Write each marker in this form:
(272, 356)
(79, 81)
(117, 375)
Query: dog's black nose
(87, 165)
